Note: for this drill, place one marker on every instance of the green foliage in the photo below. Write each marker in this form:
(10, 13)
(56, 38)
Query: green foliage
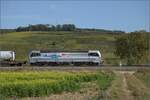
(47, 27)
(104, 80)
(34, 83)
(133, 47)
(64, 27)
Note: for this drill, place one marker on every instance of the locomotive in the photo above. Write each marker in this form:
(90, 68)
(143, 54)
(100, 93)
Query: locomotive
(44, 57)
(40, 57)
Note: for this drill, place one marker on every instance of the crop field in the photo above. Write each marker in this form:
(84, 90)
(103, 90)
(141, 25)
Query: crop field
(23, 42)
(77, 85)
(40, 83)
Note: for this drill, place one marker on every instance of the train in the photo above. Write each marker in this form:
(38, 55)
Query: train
(45, 57)
(8, 58)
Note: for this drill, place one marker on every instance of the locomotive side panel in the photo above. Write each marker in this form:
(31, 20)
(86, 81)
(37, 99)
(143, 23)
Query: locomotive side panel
(64, 57)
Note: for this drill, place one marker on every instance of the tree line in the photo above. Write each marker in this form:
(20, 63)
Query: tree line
(47, 27)
(59, 27)
(63, 27)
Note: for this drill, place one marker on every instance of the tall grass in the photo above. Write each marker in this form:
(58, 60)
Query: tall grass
(105, 81)
(32, 83)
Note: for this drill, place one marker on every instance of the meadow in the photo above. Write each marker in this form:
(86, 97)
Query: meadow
(23, 42)
(41, 83)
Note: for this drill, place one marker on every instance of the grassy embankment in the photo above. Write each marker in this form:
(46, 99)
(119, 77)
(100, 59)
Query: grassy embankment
(139, 84)
(35, 83)
(23, 42)
(144, 76)
(130, 86)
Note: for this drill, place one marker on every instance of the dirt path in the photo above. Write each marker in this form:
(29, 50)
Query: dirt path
(119, 89)
(127, 86)
(127, 92)
(139, 90)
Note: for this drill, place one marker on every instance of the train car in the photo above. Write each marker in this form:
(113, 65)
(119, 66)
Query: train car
(7, 55)
(8, 58)
(40, 57)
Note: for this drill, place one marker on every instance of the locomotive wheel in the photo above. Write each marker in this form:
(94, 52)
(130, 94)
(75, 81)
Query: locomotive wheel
(93, 64)
(53, 64)
(12, 64)
(19, 64)
(32, 64)
(36, 64)
(77, 64)
(40, 64)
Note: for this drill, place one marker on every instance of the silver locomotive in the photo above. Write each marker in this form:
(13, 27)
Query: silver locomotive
(40, 57)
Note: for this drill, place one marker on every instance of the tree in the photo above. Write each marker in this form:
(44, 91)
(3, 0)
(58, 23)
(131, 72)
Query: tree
(58, 27)
(68, 27)
(133, 47)
(53, 28)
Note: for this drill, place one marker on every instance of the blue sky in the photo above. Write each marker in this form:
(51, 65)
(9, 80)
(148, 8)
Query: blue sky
(126, 15)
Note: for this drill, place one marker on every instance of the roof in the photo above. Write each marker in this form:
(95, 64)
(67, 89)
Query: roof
(42, 51)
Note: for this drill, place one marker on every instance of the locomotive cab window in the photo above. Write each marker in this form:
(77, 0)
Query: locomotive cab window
(93, 54)
(35, 54)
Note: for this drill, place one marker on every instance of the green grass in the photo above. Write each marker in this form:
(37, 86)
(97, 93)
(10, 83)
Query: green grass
(23, 42)
(35, 83)
(105, 81)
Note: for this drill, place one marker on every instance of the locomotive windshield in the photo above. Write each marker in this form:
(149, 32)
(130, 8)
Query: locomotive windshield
(94, 54)
(35, 54)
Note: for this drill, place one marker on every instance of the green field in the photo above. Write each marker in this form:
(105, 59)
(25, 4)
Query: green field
(41, 83)
(23, 42)
(35, 84)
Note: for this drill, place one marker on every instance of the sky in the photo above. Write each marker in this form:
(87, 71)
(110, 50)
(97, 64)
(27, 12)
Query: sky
(125, 15)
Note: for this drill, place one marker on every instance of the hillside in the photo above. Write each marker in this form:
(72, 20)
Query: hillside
(23, 42)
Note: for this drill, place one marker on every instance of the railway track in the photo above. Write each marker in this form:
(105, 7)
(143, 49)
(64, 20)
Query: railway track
(76, 68)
